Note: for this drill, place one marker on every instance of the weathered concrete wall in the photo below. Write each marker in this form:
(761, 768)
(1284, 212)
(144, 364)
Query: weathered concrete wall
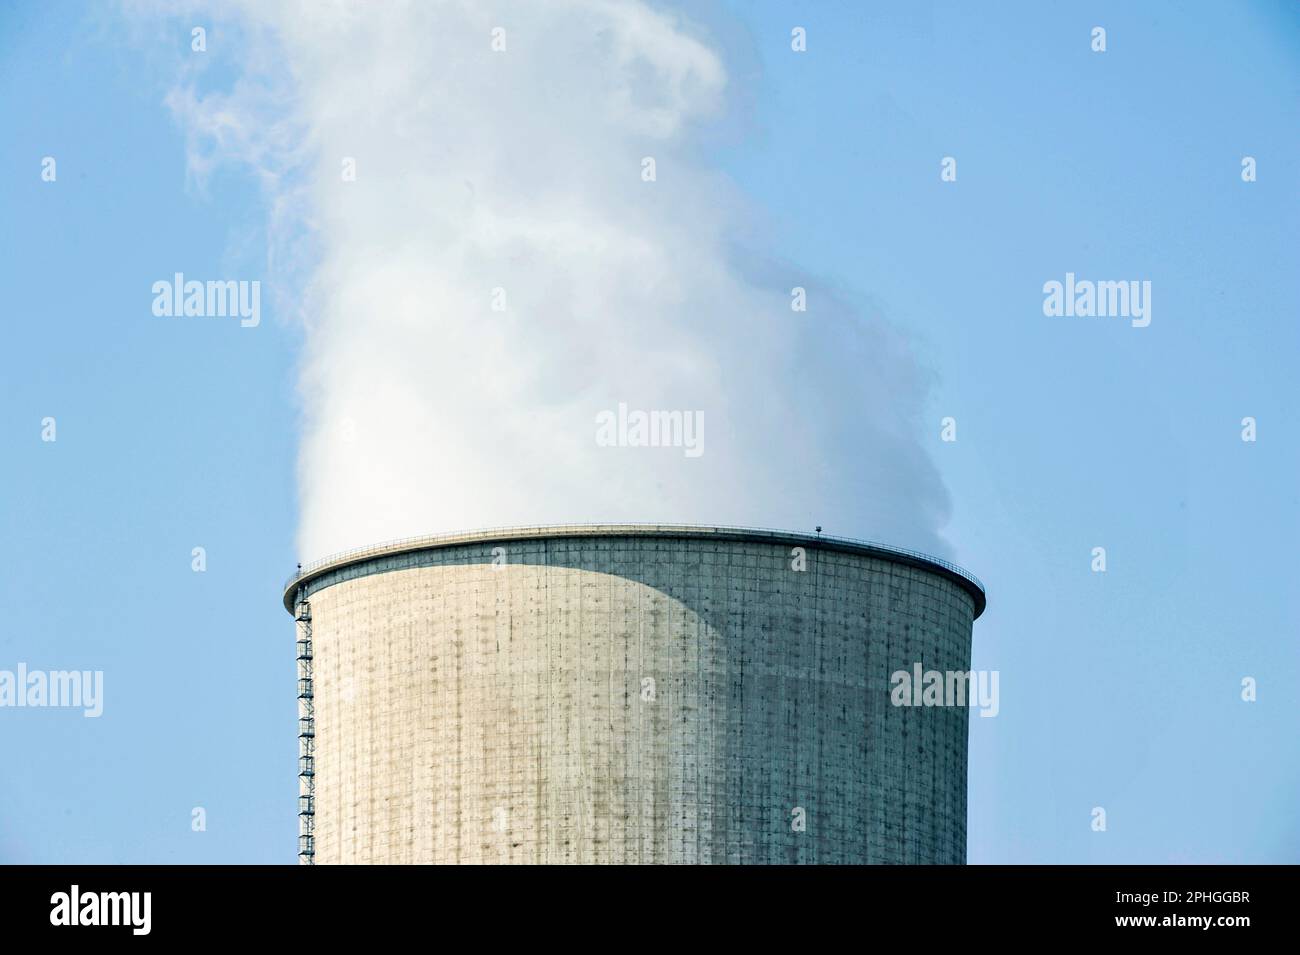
(635, 699)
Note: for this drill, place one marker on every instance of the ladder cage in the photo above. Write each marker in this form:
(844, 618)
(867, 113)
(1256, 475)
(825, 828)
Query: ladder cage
(306, 735)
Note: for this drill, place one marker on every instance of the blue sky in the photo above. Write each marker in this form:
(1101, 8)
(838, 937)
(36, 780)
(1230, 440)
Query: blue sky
(1119, 690)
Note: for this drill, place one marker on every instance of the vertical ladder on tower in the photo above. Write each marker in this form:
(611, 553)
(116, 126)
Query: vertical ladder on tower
(306, 735)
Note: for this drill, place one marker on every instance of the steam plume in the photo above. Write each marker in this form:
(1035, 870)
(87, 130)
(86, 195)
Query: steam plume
(521, 170)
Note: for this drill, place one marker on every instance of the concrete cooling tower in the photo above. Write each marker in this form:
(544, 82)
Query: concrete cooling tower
(629, 694)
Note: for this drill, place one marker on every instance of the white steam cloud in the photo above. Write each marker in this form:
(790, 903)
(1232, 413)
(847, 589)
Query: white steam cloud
(426, 410)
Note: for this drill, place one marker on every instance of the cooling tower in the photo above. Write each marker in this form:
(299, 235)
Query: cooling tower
(629, 694)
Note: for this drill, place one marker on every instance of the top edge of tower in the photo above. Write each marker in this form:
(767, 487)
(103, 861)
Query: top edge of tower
(310, 571)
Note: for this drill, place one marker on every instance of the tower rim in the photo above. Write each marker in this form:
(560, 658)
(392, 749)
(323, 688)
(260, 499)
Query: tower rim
(309, 572)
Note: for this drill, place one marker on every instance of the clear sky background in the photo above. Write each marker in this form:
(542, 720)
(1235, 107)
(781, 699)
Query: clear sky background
(1119, 690)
